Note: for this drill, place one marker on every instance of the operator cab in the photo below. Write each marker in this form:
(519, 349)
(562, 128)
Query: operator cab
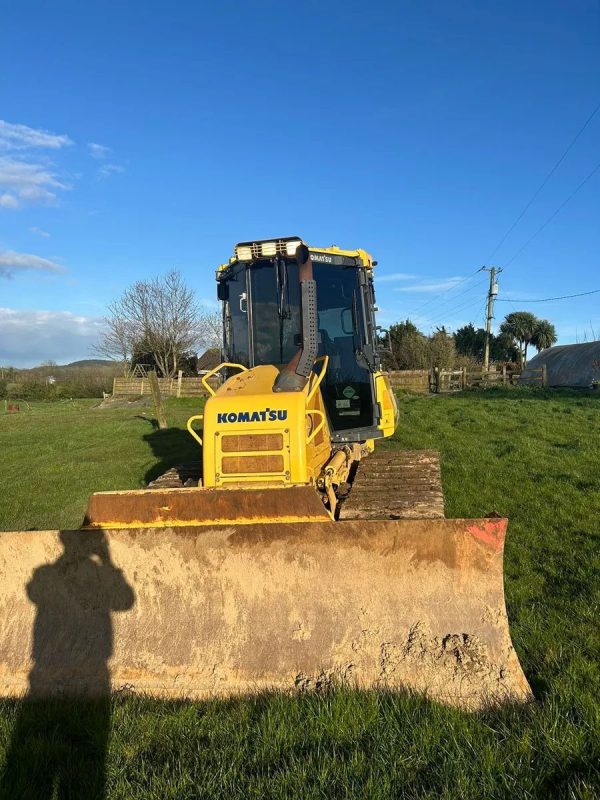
(263, 324)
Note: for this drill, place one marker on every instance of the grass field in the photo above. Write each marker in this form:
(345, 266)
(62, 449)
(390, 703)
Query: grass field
(65, 451)
(531, 455)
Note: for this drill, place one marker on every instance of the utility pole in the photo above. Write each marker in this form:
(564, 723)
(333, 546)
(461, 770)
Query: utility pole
(492, 294)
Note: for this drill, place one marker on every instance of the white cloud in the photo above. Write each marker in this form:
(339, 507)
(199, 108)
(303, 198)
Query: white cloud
(27, 180)
(8, 200)
(28, 338)
(12, 262)
(21, 137)
(24, 182)
(392, 277)
(39, 232)
(428, 286)
(98, 150)
(106, 170)
(101, 152)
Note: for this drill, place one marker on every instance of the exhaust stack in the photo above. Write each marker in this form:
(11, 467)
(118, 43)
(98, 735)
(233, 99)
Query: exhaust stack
(294, 375)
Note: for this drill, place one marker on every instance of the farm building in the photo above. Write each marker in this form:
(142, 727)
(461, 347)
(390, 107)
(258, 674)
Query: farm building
(576, 365)
(210, 359)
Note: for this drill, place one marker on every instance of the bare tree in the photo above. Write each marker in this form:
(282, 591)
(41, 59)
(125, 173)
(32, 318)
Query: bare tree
(117, 342)
(159, 316)
(211, 329)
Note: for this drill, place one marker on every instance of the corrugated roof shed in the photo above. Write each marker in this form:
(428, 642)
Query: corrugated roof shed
(576, 365)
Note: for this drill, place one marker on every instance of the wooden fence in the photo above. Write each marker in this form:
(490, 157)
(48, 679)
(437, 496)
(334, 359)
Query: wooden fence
(437, 380)
(421, 381)
(169, 387)
(412, 380)
(446, 380)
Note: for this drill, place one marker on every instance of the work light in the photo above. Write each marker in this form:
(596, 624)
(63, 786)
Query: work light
(269, 248)
(291, 247)
(243, 253)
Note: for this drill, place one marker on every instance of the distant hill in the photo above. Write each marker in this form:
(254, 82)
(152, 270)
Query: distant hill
(90, 362)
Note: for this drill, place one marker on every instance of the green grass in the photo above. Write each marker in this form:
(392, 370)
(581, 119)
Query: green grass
(54, 455)
(531, 455)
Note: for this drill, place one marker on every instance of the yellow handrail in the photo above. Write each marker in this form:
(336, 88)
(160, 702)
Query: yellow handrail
(314, 432)
(320, 376)
(218, 369)
(191, 430)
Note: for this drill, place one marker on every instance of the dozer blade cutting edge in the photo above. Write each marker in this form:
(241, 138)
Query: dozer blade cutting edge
(225, 609)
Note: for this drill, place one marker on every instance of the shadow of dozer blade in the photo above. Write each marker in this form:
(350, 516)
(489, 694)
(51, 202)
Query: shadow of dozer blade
(222, 610)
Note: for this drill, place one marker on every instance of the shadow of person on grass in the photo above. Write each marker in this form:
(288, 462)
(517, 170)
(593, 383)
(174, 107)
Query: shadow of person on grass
(60, 736)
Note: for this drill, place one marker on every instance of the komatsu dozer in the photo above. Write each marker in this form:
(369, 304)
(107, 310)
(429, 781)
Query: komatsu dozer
(296, 556)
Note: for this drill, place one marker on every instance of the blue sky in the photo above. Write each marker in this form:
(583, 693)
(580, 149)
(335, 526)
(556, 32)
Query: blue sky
(142, 136)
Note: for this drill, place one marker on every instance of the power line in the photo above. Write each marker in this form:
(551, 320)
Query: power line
(437, 309)
(554, 214)
(543, 183)
(454, 286)
(435, 300)
(445, 315)
(433, 321)
(548, 299)
(438, 306)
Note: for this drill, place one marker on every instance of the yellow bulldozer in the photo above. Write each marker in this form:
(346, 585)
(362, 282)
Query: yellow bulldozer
(303, 555)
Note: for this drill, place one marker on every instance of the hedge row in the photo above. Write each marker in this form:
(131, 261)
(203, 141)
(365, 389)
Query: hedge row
(38, 390)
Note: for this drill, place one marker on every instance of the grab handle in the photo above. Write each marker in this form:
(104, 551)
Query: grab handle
(315, 430)
(191, 430)
(320, 376)
(214, 371)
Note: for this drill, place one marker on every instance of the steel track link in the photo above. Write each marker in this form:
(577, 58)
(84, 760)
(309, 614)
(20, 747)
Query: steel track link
(391, 484)
(178, 477)
(396, 484)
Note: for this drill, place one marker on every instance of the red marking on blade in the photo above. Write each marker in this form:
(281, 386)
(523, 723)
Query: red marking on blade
(490, 532)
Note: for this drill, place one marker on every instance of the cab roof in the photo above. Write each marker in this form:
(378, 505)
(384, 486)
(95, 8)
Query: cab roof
(248, 252)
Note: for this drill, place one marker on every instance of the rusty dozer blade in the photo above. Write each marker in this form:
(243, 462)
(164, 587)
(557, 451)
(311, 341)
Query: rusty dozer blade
(220, 610)
(160, 508)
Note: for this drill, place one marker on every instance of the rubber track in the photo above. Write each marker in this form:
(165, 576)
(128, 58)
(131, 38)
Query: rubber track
(396, 484)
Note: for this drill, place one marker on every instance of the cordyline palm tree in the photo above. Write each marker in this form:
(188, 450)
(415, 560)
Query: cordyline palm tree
(521, 326)
(544, 335)
(525, 328)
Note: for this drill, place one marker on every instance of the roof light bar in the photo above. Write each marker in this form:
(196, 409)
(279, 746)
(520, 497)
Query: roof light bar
(251, 251)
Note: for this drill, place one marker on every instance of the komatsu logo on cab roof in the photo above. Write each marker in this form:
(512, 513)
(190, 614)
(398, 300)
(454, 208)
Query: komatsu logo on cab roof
(268, 415)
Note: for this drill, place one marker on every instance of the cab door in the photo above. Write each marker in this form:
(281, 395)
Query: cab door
(347, 388)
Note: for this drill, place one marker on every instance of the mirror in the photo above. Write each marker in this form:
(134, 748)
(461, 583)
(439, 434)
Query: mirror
(223, 290)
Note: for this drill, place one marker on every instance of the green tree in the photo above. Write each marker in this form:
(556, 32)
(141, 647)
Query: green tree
(442, 350)
(521, 325)
(470, 341)
(544, 335)
(502, 348)
(409, 346)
